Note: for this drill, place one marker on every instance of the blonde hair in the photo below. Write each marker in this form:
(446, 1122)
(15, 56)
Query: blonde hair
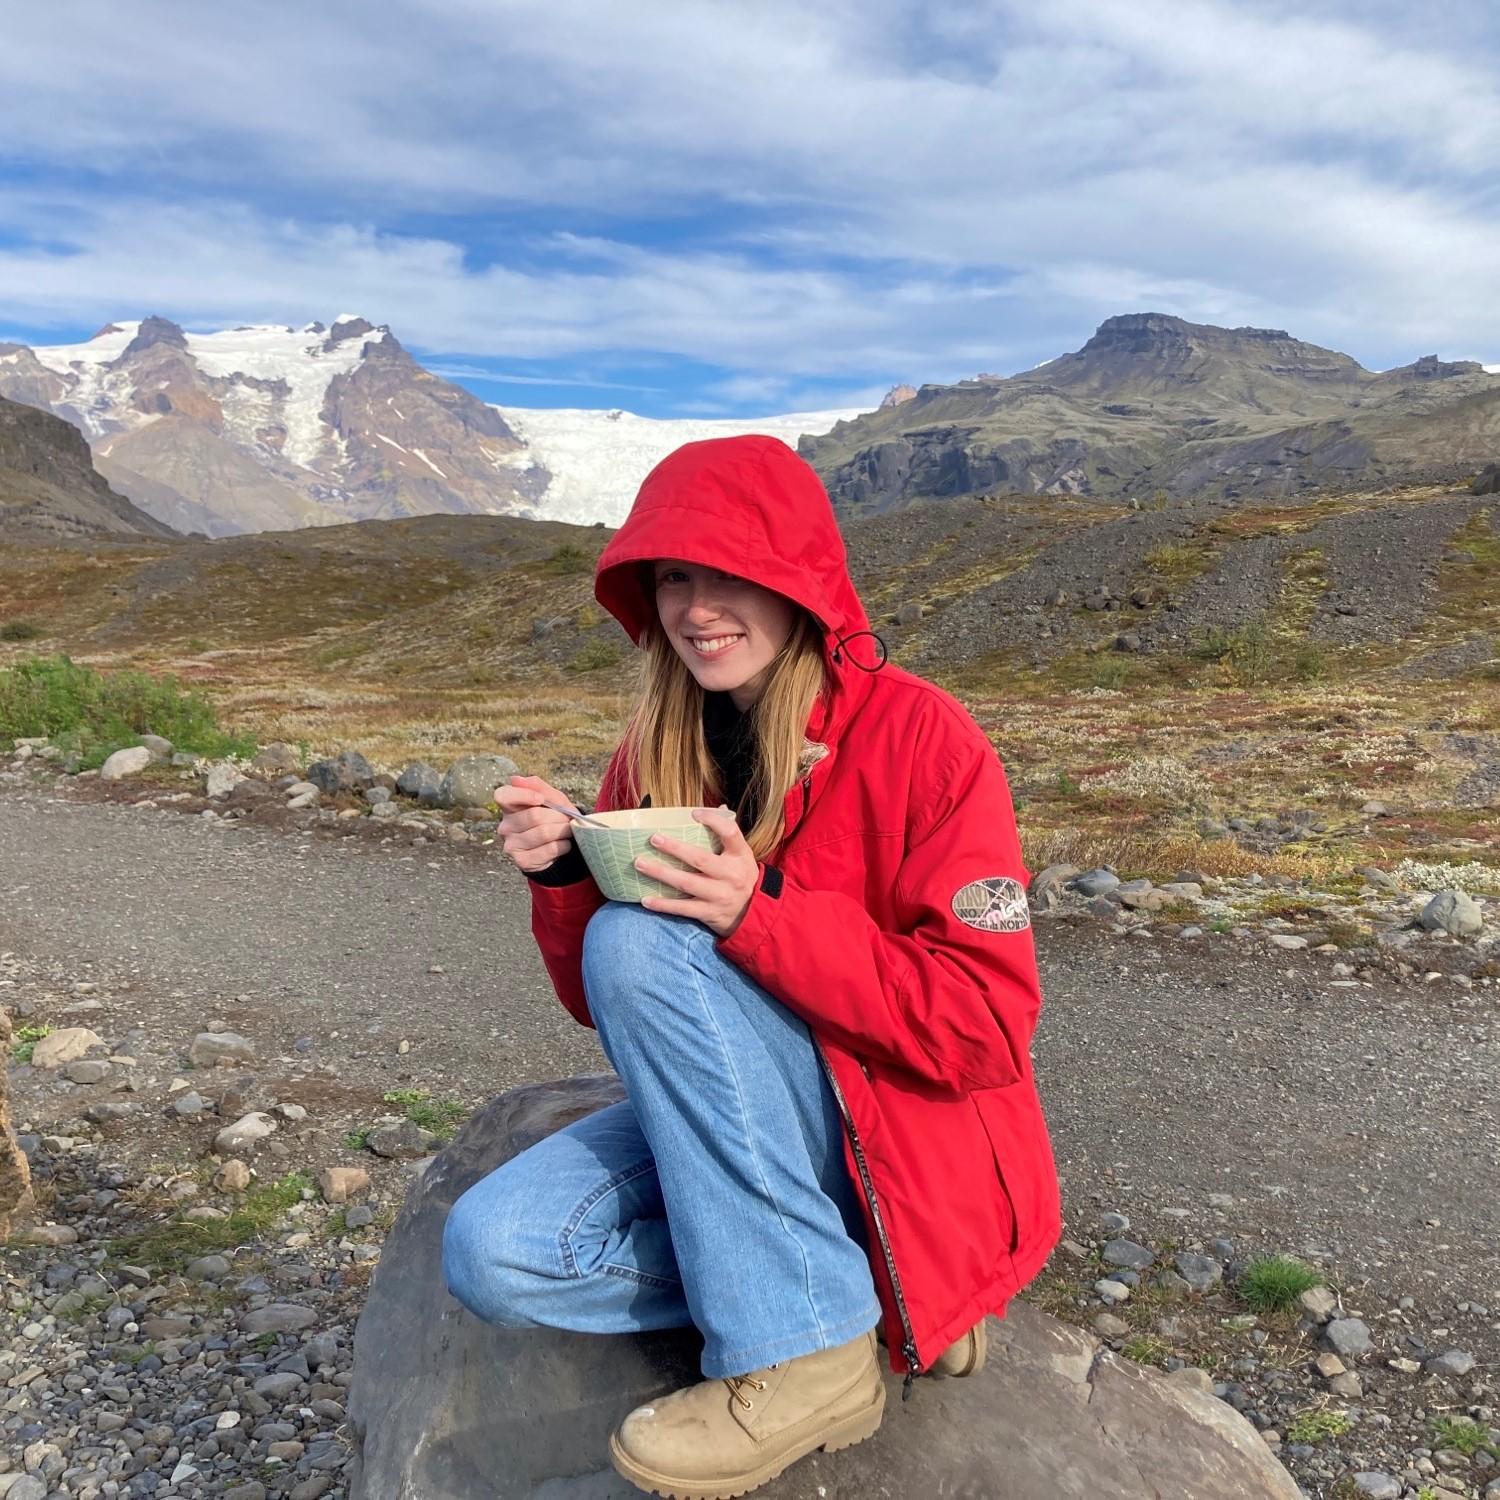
(667, 755)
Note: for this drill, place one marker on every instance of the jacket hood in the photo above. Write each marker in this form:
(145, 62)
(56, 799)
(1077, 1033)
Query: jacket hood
(749, 506)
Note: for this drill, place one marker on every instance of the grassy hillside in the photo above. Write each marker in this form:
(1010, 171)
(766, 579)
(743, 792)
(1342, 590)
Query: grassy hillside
(1146, 674)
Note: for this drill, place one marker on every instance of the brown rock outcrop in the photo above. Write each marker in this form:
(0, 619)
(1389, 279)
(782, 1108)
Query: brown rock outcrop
(15, 1175)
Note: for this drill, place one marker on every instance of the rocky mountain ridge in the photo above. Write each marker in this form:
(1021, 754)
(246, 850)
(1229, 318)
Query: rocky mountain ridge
(272, 428)
(49, 487)
(1153, 402)
(256, 428)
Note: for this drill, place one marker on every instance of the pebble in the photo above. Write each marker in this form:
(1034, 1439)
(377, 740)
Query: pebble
(1112, 1291)
(1349, 1337)
(1377, 1486)
(1452, 1362)
(1128, 1253)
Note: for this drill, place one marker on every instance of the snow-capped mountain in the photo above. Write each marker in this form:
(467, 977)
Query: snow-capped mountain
(597, 459)
(270, 428)
(254, 429)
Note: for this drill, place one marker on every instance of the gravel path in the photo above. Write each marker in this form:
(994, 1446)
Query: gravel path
(1360, 1121)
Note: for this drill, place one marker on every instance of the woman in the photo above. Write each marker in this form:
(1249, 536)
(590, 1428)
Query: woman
(831, 1122)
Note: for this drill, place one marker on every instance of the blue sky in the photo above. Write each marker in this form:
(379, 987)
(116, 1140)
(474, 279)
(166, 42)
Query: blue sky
(754, 205)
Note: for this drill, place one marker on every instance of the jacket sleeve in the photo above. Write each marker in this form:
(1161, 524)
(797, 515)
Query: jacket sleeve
(952, 994)
(560, 913)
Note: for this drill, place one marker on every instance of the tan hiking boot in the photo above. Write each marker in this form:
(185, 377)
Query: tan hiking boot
(722, 1438)
(964, 1356)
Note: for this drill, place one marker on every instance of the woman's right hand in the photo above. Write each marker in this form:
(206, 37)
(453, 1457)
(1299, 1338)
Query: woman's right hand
(533, 835)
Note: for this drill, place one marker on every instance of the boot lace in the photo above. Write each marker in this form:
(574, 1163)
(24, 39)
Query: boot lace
(737, 1384)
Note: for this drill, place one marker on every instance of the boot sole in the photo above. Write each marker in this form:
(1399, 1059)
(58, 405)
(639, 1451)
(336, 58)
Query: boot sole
(843, 1434)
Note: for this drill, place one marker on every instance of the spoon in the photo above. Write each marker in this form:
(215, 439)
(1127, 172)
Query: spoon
(573, 812)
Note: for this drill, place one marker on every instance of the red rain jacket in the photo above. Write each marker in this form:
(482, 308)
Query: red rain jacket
(892, 918)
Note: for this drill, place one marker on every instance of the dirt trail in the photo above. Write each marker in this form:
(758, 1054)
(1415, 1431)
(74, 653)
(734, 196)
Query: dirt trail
(1361, 1121)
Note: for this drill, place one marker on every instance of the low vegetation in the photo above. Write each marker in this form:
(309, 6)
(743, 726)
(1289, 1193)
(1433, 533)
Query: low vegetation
(440, 1116)
(95, 713)
(175, 1241)
(24, 1041)
(1316, 1424)
(1274, 1283)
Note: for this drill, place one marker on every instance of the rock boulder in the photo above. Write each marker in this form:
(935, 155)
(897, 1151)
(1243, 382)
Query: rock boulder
(467, 1410)
(471, 781)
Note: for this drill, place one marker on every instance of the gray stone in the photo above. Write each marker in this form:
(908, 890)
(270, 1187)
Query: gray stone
(86, 1070)
(190, 1103)
(221, 779)
(471, 781)
(212, 1047)
(348, 771)
(160, 749)
(245, 1134)
(471, 1410)
(375, 795)
(1377, 1486)
(1096, 882)
(1349, 1337)
(125, 763)
(1199, 1271)
(277, 759)
(1451, 1362)
(1453, 912)
(1319, 1303)
(420, 782)
(278, 1317)
(208, 1268)
(27, 1487)
(1053, 878)
(402, 1139)
(63, 1046)
(1128, 1253)
(279, 1386)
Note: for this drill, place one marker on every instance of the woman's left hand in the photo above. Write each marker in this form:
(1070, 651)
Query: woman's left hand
(717, 887)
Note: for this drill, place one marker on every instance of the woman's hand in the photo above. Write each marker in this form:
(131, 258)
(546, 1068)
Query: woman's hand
(718, 887)
(533, 835)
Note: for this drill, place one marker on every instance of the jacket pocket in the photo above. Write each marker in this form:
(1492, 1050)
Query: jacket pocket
(995, 1129)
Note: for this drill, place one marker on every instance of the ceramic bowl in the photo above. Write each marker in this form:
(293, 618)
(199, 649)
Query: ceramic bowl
(611, 852)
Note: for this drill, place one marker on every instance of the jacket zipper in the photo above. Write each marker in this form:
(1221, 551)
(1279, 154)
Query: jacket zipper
(909, 1346)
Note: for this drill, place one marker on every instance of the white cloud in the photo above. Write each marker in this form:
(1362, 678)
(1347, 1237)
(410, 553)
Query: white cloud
(847, 189)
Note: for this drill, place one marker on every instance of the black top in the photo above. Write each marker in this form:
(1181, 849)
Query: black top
(731, 742)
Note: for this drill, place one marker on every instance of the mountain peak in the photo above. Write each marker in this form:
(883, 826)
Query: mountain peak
(100, 333)
(348, 326)
(153, 330)
(1139, 333)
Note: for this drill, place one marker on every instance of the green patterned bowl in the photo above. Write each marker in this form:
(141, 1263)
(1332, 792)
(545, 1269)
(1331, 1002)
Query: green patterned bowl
(611, 853)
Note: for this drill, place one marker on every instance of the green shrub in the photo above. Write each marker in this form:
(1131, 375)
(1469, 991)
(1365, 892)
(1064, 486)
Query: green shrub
(25, 1040)
(1276, 1281)
(96, 713)
(1460, 1433)
(1310, 663)
(593, 656)
(1313, 1426)
(440, 1116)
(19, 630)
(568, 558)
(1108, 670)
(1247, 651)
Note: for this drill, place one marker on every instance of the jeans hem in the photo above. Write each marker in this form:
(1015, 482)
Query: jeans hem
(790, 1346)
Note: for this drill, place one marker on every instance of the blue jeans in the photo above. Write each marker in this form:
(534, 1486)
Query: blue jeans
(716, 1194)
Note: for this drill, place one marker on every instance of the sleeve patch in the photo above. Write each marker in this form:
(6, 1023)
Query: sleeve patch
(994, 904)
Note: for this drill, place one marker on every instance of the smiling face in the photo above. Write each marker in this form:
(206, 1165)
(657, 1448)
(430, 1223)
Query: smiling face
(727, 629)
